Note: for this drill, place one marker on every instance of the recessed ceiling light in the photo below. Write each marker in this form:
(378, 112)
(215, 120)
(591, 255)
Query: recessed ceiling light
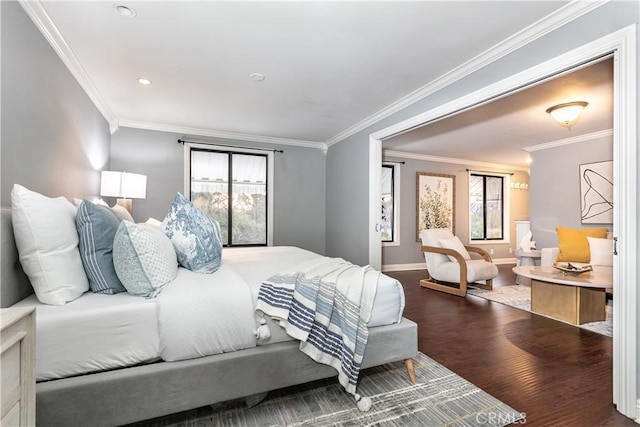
(125, 11)
(256, 77)
(144, 81)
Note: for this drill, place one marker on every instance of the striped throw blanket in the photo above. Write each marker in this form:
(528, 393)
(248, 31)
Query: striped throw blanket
(326, 304)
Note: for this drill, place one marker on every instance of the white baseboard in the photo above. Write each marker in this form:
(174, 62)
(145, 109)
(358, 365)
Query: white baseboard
(501, 261)
(402, 267)
(423, 266)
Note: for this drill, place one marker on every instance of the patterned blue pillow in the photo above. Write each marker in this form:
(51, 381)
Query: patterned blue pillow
(195, 236)
(144, 258)
(97, 227)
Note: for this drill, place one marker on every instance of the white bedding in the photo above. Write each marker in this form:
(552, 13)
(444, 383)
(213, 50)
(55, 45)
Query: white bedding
(259, 263)
(99, 332)
(93, 333)
(204, 314)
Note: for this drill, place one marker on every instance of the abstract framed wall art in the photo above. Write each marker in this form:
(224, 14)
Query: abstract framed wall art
(596, 193)
(435, 201)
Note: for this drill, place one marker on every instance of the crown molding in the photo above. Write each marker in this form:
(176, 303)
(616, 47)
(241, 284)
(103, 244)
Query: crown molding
(428, 158)
(549, 23)
(222, 134)
(566, 14)
(50, 32)
(538, 147)
(567, 141)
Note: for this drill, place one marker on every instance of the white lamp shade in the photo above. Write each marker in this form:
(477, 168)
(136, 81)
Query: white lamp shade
(110, 183)
(123, 184)
(134, 185)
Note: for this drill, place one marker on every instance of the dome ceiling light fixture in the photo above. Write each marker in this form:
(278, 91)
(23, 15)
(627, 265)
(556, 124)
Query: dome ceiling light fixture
(256, 77)
(567, 114)
(125, 11)
(143, 81)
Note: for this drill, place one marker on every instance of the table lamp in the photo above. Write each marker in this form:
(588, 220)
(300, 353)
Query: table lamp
(123, 185)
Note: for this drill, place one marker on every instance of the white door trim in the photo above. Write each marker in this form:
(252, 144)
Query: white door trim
(622, 44)
(375, 195)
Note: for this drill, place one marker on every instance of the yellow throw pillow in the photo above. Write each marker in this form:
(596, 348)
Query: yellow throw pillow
(574, 245)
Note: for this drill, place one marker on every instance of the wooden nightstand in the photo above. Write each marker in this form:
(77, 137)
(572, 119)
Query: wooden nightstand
(18, 366)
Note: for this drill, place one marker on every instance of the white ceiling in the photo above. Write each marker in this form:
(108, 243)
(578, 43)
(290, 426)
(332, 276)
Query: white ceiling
(499, 132)
(329, 66)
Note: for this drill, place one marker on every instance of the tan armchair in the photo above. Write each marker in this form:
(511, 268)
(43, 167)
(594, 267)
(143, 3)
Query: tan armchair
(449, 265)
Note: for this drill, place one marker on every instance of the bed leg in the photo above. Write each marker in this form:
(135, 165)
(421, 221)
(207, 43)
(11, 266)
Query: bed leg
(412, 373)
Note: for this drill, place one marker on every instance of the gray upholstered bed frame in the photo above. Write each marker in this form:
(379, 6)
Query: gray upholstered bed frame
(127, 395)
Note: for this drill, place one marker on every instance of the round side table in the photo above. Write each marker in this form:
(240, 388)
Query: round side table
(526, 259)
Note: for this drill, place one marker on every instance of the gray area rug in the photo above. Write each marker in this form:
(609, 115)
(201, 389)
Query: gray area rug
(519, 296)
(441, 398)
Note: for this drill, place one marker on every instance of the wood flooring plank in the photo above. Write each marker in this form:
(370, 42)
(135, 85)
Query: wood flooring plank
(558, 374)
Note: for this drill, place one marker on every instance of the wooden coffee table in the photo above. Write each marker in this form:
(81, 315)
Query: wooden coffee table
(573, 299)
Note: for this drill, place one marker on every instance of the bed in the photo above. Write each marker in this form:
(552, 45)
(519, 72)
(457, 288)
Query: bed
(119, 374)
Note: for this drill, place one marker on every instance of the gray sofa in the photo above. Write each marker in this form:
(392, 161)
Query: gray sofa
(142, 392)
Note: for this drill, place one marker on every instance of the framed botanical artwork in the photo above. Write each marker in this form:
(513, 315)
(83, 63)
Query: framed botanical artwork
(596, 193)
(435, 201)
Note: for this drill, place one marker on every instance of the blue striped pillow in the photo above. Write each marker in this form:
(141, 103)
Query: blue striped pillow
(97, 227)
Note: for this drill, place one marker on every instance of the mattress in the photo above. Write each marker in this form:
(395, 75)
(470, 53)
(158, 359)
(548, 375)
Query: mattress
(95, 332)
(99, 332)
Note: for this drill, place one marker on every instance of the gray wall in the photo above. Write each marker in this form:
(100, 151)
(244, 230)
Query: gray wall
(409, 250)
(347, 201)
(347, 183)
(555, 187)
(299, 211)
(54, 140)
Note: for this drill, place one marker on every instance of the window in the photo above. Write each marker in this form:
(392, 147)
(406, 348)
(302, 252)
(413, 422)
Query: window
(390, 185)
(233, 187)
(487, 206)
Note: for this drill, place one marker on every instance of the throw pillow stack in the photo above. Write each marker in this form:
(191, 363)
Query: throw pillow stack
(67, 250)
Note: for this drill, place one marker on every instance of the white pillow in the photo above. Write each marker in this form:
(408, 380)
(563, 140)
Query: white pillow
(144, 258)
(77, 202)
(601, 251)
(121, 213)
(455, 244)
(47, 241)
(154, 222)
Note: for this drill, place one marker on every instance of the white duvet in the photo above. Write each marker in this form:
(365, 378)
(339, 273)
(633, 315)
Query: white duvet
(204, 314)
(95, 332)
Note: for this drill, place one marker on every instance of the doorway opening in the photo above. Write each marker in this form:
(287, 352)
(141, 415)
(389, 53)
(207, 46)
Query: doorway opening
(621, 45)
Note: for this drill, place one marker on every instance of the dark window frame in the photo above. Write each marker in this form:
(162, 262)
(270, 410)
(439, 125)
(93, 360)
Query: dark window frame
(484, 207)
(393, 198)
(229, 154)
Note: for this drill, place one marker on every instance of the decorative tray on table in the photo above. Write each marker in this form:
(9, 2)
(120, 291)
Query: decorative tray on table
(572, 269)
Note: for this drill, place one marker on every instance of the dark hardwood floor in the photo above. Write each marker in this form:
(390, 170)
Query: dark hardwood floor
(557, 374)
